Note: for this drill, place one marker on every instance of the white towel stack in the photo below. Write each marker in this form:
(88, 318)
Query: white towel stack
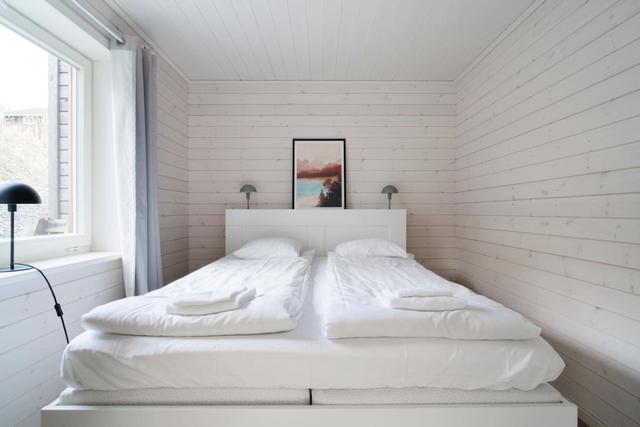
(210, 301)
(422, 299)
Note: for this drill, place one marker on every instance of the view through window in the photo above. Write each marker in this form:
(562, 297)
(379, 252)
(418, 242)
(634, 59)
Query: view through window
(37, 134)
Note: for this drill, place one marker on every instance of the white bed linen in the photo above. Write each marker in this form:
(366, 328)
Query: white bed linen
(186, 396)
(544, 393)
(304, 358)
(280, 284)
(350, 306)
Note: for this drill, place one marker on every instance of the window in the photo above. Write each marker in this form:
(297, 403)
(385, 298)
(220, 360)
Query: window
(37, 138)
(44, 140)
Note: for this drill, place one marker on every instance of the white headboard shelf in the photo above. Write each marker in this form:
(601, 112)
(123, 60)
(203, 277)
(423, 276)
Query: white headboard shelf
(319, 229)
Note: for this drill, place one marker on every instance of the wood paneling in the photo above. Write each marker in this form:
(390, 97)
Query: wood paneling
(548, 192)
(522, 180)
(31, 335)
(330, 40)
(398, 133)
(173, 176)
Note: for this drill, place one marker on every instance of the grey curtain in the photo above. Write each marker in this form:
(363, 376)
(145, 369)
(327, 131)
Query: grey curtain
(134, 124)
(148, 256)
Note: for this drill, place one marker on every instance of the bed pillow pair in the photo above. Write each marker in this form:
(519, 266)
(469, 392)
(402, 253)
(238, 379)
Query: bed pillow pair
(270, 247)
(282, 247)
(370, 248)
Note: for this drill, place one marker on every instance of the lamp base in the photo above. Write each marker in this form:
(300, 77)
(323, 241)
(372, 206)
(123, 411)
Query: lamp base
(16, 268)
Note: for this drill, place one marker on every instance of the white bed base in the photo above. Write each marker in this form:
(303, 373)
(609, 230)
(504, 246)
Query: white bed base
(562, 414)
(320, 230)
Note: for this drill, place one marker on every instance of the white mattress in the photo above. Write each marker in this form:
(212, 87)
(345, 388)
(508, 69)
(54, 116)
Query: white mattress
(186, 396)
(544, 393)
(305, 359)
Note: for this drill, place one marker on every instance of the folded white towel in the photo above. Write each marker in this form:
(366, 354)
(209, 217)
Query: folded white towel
(207, 297)
(440, 303)
(421, 292)
(201, 307)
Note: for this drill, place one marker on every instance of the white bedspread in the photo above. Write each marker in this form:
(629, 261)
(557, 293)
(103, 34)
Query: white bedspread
(280, 284)
(304, 358)
(349, 305)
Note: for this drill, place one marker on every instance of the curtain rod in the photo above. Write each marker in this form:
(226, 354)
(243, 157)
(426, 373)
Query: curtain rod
(102, 23)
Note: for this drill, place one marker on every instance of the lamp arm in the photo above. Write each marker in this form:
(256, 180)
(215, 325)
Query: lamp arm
(56, 305)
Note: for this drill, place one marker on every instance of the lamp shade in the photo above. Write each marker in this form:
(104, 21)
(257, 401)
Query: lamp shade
(17, 193)
(248, 188)
(389, 189)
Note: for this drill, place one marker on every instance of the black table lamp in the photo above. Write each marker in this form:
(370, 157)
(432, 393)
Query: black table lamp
(13, 194)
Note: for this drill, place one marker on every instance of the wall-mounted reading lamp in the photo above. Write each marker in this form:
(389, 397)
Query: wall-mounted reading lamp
(389, 190)
(248, 189)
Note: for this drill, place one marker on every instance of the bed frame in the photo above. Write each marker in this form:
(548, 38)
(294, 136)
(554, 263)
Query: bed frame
(320, 230)
(562, 414)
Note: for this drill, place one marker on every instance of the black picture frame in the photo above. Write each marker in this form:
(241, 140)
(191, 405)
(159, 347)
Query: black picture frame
(341, 141)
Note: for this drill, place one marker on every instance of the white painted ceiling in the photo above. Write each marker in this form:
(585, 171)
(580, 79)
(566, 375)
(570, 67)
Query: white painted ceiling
(323, 39)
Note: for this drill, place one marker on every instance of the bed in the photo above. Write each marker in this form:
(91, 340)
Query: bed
(302, 377)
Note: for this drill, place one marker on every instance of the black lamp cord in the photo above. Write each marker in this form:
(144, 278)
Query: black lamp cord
(56, 305)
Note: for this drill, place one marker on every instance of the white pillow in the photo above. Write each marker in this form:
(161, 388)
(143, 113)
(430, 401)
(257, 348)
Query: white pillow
(370, 247)
(270, 247)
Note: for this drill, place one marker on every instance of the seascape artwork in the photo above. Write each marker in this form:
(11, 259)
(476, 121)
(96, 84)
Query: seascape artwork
(318, 174)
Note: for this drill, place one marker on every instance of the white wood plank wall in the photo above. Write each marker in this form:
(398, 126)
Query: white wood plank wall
(31, 338)
(30, 334)
(522, 180)
(397, 133)
(173, 165)
(548, 191)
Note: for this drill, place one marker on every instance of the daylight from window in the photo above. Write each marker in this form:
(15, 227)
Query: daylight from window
(36, 134)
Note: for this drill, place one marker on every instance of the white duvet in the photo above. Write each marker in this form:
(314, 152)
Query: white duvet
(280, 285)
(349, 305)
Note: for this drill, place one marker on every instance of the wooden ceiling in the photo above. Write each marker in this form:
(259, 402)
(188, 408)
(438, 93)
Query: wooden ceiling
(323, 39)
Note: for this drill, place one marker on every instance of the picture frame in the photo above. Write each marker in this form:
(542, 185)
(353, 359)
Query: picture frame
(318, 177)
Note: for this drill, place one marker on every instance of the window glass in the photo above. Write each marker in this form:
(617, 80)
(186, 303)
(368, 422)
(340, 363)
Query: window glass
(37, 134)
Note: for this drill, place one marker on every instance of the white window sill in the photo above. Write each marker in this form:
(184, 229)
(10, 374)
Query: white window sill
(57, 270)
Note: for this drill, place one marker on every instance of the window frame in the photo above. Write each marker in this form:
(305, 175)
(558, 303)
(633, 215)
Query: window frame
(43, 247)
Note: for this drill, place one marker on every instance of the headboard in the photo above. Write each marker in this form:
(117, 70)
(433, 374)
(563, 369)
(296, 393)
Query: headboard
(319, 229)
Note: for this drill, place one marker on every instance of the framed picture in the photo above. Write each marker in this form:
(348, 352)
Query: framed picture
(319, 179)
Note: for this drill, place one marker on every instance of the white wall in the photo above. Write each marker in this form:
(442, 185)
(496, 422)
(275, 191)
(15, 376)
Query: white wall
(172, 171)
(397, 133)
(526, 185)
(548, 182)
(31, 338)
